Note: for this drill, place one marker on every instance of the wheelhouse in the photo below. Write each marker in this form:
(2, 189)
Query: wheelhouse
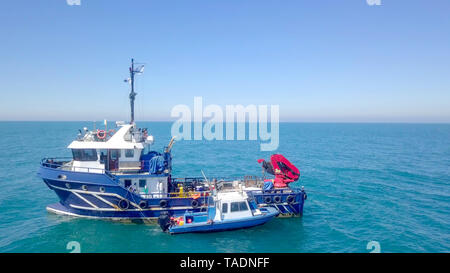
(124, 153)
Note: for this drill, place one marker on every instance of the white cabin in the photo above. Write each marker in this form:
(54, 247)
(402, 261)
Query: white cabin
(233, 205)
(118, 151)
(121, 151)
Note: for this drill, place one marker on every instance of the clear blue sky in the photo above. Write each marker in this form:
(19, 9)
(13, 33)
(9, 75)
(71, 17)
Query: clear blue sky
(319, 60)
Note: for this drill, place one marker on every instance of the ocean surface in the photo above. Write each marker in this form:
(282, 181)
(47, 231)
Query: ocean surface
(388, 183)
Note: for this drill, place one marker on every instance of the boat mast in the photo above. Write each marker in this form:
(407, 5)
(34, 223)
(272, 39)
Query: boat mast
(133, 72)
(132, 93)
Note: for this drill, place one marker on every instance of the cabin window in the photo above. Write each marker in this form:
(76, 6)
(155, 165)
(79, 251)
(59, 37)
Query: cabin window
(225, 208)
(103, 157)
(243, 206)
(114, 154)
(129, 153)
(234, 206)
(239, 206)
(142, 183)
(127, 183)
(84, 154)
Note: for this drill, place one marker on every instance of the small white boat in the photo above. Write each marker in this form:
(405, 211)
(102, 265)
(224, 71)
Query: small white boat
(227, 211)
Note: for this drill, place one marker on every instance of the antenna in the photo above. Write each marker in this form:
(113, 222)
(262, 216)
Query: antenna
(214, 192)
(133, 72)
(204, 176)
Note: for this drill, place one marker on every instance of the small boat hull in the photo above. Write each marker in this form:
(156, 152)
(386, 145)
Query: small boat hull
(225, 225)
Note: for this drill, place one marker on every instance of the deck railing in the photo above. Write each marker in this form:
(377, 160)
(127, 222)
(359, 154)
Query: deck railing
(63, 163)
(60, 162)
(193, 195)
(189, 183)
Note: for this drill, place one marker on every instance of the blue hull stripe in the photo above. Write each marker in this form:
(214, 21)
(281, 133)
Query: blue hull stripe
(221, 226)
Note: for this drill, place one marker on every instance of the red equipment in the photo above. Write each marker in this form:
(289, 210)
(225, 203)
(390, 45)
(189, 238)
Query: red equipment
(285, 172)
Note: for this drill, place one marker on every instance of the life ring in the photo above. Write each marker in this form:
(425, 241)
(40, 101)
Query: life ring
(163, 203)
(101, 134)
(194, 203)
(143, 204)
(124, 204)
(277, 199)
(290, 199)
(268, 199)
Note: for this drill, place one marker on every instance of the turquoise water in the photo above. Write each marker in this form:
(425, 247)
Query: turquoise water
(388, 183)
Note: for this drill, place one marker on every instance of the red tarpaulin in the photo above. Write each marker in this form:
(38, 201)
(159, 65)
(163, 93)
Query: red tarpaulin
(285, 172)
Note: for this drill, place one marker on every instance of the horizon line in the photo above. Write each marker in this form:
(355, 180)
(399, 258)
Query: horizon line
(281, 121)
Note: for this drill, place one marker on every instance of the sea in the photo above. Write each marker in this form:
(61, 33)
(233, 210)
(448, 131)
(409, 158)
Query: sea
(371, 188)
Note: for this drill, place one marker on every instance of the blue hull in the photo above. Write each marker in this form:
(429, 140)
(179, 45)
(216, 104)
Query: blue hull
(288, 202)
(223, 225)
(99, 195)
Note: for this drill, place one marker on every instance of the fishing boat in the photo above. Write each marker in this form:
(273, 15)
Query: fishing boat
(228, 211)
(113, 173)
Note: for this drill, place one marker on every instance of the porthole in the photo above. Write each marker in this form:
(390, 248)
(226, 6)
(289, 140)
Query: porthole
(68, 185)
(62, 176)
(102, 189)
(84, 187)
